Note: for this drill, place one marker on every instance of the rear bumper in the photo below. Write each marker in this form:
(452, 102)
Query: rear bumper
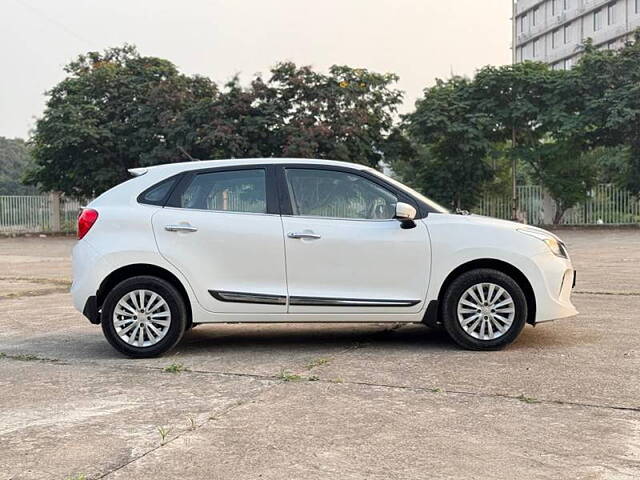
(90, 310)
(89, 268)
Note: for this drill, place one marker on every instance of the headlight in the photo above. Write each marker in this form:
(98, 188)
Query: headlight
(557, 247)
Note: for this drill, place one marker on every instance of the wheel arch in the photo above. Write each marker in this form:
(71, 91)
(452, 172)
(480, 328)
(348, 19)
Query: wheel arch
(502, 266)
(133, 270)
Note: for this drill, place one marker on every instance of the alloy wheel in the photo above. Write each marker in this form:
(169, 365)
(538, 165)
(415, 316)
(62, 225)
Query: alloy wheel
(486, 311)
(141, 318)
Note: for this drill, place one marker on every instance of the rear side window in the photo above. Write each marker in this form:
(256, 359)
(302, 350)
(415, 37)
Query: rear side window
(241, 191)
(157, 195)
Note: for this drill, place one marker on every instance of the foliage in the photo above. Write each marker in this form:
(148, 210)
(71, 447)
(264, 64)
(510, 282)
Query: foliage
(114, 111)
(450, 145)
(610, 83)
(14, 160)
(345, 115)
(118, 110)
(567, 176)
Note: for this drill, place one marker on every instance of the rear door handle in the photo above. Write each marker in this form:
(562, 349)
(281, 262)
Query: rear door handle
(180, 228)
(303, 235)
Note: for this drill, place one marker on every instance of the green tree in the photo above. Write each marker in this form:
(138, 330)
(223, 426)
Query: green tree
(611, 91)
(114, 111)
(451, 145)
(15, 158)
(346, 114)
(117, 110)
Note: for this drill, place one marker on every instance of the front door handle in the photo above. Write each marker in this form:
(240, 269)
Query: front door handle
(314, 236)
(180, 228)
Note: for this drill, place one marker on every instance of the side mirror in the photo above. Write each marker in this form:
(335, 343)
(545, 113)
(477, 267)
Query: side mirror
(405, 213)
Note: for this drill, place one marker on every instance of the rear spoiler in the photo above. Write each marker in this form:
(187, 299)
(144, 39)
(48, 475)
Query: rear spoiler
(136, 172)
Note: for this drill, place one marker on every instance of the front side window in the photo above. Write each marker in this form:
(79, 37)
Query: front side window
(336, 194)
(241, 191)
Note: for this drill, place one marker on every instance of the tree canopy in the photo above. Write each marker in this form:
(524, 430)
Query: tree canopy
(117, 110)
(15, 158)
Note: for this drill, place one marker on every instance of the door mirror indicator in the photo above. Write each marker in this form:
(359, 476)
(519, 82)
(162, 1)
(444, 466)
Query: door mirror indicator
(405, 214)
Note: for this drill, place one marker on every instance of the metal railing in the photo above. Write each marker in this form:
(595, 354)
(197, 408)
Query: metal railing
(605, 205)
(38, 213)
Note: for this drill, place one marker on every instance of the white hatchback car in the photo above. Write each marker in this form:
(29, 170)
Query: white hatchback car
(279, 240)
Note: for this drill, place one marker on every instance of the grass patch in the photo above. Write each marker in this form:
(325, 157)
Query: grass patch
(525, 399)
(316, 363)
(79, 476)
(27, 357)
(175, 368)
(286, 376)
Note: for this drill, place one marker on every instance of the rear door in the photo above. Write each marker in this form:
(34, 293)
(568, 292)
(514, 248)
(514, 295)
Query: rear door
(222, 230)
(345, 252)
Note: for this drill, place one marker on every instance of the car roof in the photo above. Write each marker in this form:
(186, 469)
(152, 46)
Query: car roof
(168, 168)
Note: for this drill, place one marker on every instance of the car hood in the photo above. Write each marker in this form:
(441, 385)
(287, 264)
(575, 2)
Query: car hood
(497, 223)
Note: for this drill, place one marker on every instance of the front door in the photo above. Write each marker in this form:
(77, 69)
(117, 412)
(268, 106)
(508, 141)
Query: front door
(218, 231)
(345, 253)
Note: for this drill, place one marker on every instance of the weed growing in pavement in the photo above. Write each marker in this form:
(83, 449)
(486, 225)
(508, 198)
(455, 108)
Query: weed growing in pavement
(79, 476)
(164, 433)
(526, 399)
(316, 363)
(175, 368)
(192, 423)
(288, 376)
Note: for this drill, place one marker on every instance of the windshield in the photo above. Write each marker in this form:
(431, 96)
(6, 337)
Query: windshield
(433, 205)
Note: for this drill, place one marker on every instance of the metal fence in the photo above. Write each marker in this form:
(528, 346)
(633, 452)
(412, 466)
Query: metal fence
(605, 205)
(38, 213)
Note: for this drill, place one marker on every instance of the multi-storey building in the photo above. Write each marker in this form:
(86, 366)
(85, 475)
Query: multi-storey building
(552, 31)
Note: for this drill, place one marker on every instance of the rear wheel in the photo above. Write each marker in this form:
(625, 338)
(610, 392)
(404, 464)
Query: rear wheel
(143, 316)
(484, 309)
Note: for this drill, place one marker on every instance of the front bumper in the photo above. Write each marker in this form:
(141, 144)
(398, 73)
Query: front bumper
(553, 287)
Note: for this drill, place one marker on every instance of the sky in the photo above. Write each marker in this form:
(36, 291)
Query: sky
(420, 40)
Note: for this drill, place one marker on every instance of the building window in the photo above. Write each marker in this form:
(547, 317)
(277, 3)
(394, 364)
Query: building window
(523, 23)
(568, 63)
(536, 48)
(534, 16)
(611, 13)
(637, 6)
(565, 4)
(566, 33)
(555, 39)
(597, 20)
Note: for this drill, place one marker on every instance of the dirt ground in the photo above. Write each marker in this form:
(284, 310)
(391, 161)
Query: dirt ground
(321, 401)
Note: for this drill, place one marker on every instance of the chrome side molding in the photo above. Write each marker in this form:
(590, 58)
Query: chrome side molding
(243, 297)
(262, 298)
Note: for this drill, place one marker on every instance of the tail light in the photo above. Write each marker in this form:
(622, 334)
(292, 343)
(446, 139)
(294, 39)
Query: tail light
(86, 219)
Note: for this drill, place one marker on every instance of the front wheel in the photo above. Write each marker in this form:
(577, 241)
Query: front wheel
(143, 316)
(484, 309)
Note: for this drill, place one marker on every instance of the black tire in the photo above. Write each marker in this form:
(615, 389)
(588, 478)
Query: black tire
(455, 292)
(176, 306)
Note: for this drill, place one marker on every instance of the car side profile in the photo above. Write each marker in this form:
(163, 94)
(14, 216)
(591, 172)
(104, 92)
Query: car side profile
(288, 240)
